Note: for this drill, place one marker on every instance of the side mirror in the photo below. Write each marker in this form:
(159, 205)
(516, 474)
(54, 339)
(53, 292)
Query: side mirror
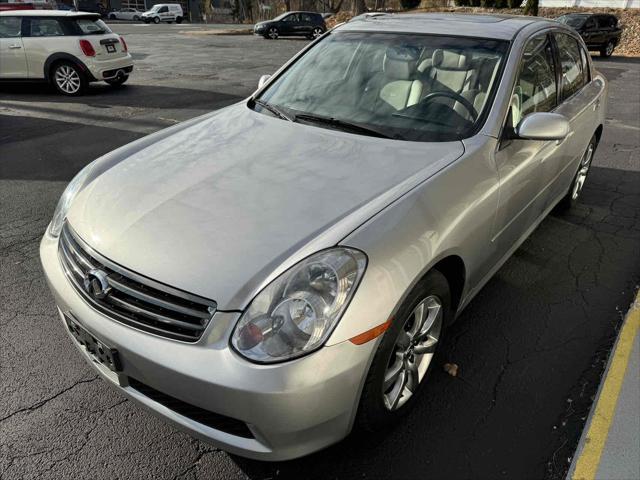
(543, 126)
(263, 80)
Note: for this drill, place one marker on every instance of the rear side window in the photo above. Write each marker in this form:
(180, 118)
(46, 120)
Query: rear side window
(10, 27)
(90, 26)
(46, 27)
(570, 64)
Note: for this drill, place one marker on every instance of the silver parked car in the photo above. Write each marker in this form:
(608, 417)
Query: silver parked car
(271, 274)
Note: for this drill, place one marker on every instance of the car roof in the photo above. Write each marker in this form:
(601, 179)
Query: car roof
(501, 27)
(48, 13)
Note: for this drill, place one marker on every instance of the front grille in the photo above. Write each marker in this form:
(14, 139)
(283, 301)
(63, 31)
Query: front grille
(217, 421)
(131, 298)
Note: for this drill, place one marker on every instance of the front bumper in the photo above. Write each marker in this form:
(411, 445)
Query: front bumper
(291, 409)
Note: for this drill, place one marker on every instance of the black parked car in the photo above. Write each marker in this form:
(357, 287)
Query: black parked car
(600, 31)
(307, 24)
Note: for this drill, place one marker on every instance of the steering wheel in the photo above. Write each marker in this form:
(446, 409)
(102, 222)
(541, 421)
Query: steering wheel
(455, 96)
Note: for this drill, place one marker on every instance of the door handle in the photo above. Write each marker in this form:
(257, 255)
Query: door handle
(14, 46)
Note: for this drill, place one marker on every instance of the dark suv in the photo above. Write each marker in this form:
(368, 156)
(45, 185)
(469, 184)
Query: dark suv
(600, 31)
(305, 24)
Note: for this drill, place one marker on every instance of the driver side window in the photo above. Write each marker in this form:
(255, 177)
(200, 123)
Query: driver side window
(535, 89)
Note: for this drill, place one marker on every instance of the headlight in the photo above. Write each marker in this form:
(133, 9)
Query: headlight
(296, 312)
(65, 200)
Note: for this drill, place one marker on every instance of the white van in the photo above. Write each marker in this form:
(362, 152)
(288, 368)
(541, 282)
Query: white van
(164, 12)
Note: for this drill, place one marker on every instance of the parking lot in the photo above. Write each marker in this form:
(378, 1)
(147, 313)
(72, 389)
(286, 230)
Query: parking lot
(530, 347)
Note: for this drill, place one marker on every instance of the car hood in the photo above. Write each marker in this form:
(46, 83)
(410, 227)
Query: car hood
(219, 208)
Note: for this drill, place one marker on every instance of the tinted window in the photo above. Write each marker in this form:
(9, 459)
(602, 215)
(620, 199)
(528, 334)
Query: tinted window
(570, 64)
(572, 20)
(290, 18)
(163, 10)
(305, 17)
(10, 27)
(46, 27)
(89, 26)
(591, 23)
(535, 89)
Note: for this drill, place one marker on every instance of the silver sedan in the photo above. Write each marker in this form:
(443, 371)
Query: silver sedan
(273, 274)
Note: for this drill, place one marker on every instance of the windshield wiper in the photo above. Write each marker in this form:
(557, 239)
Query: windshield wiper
(344, 125)
(273, 109)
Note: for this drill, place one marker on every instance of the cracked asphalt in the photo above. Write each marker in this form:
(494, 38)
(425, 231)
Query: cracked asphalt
(530, 347)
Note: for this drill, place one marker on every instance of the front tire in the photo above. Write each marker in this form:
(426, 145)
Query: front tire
(179, 20)
(273, 33)
(405, 353)
(607, 50)
(156, 20)
(573, 194)
(136, 18)
(112, 17)
(68, 79)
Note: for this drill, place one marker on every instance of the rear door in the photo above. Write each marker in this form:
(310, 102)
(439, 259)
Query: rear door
(579, 103)
(306, 24)
(13, 60)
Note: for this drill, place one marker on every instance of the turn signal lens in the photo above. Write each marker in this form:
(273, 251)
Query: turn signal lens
(124, 45)
(87, 48)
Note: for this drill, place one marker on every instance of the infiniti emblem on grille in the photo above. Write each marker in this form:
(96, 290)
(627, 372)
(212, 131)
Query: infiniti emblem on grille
(96, 284)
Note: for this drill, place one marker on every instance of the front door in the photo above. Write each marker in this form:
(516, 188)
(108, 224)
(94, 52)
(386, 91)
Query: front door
(13, 60)
(289, 24)
(525, 166)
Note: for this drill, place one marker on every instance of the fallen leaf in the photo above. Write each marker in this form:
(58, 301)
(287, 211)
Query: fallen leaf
(451, 369)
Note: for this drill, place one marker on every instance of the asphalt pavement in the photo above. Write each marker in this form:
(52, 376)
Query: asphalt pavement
(530, 347)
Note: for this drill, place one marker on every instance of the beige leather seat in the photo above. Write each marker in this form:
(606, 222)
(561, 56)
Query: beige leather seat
(452, 71)
(400, 88)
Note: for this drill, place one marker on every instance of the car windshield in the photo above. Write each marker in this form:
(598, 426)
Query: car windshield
(281, 16)
(402, 86)
(89, 26)
(572, 20)
(155, 8)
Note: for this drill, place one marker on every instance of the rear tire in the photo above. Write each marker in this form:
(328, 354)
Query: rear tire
(573, 194)
(68, 79)
(315, 33)
(112, 17)
(136, 18)
(377, 409)
(117, 82)
(607, 50)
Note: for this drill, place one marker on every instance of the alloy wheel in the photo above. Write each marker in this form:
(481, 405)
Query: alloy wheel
(609, 49)
(581, 176)
(67, 79)
(317, 32)
(412, 353)
(273, 33)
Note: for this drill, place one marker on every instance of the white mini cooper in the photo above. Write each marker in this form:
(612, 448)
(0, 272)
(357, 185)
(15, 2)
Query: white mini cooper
(68, 49)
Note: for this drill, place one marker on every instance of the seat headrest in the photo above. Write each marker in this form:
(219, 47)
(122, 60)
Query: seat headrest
(450, 60)
(397, 69)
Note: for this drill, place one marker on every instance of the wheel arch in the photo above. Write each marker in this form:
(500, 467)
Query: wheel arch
(454, 270)
(56, 58)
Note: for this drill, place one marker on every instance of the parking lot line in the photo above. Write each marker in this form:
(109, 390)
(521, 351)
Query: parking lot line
(588, 461)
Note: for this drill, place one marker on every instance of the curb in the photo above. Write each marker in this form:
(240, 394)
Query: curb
(595, 434)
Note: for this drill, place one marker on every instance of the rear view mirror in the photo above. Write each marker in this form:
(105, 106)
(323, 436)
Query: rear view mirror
(543, 126)
(263, 80)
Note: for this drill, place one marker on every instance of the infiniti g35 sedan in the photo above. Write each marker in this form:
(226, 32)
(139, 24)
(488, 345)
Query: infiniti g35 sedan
(272, 275)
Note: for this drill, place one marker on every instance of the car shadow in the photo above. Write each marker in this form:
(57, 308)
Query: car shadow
(130, 95)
